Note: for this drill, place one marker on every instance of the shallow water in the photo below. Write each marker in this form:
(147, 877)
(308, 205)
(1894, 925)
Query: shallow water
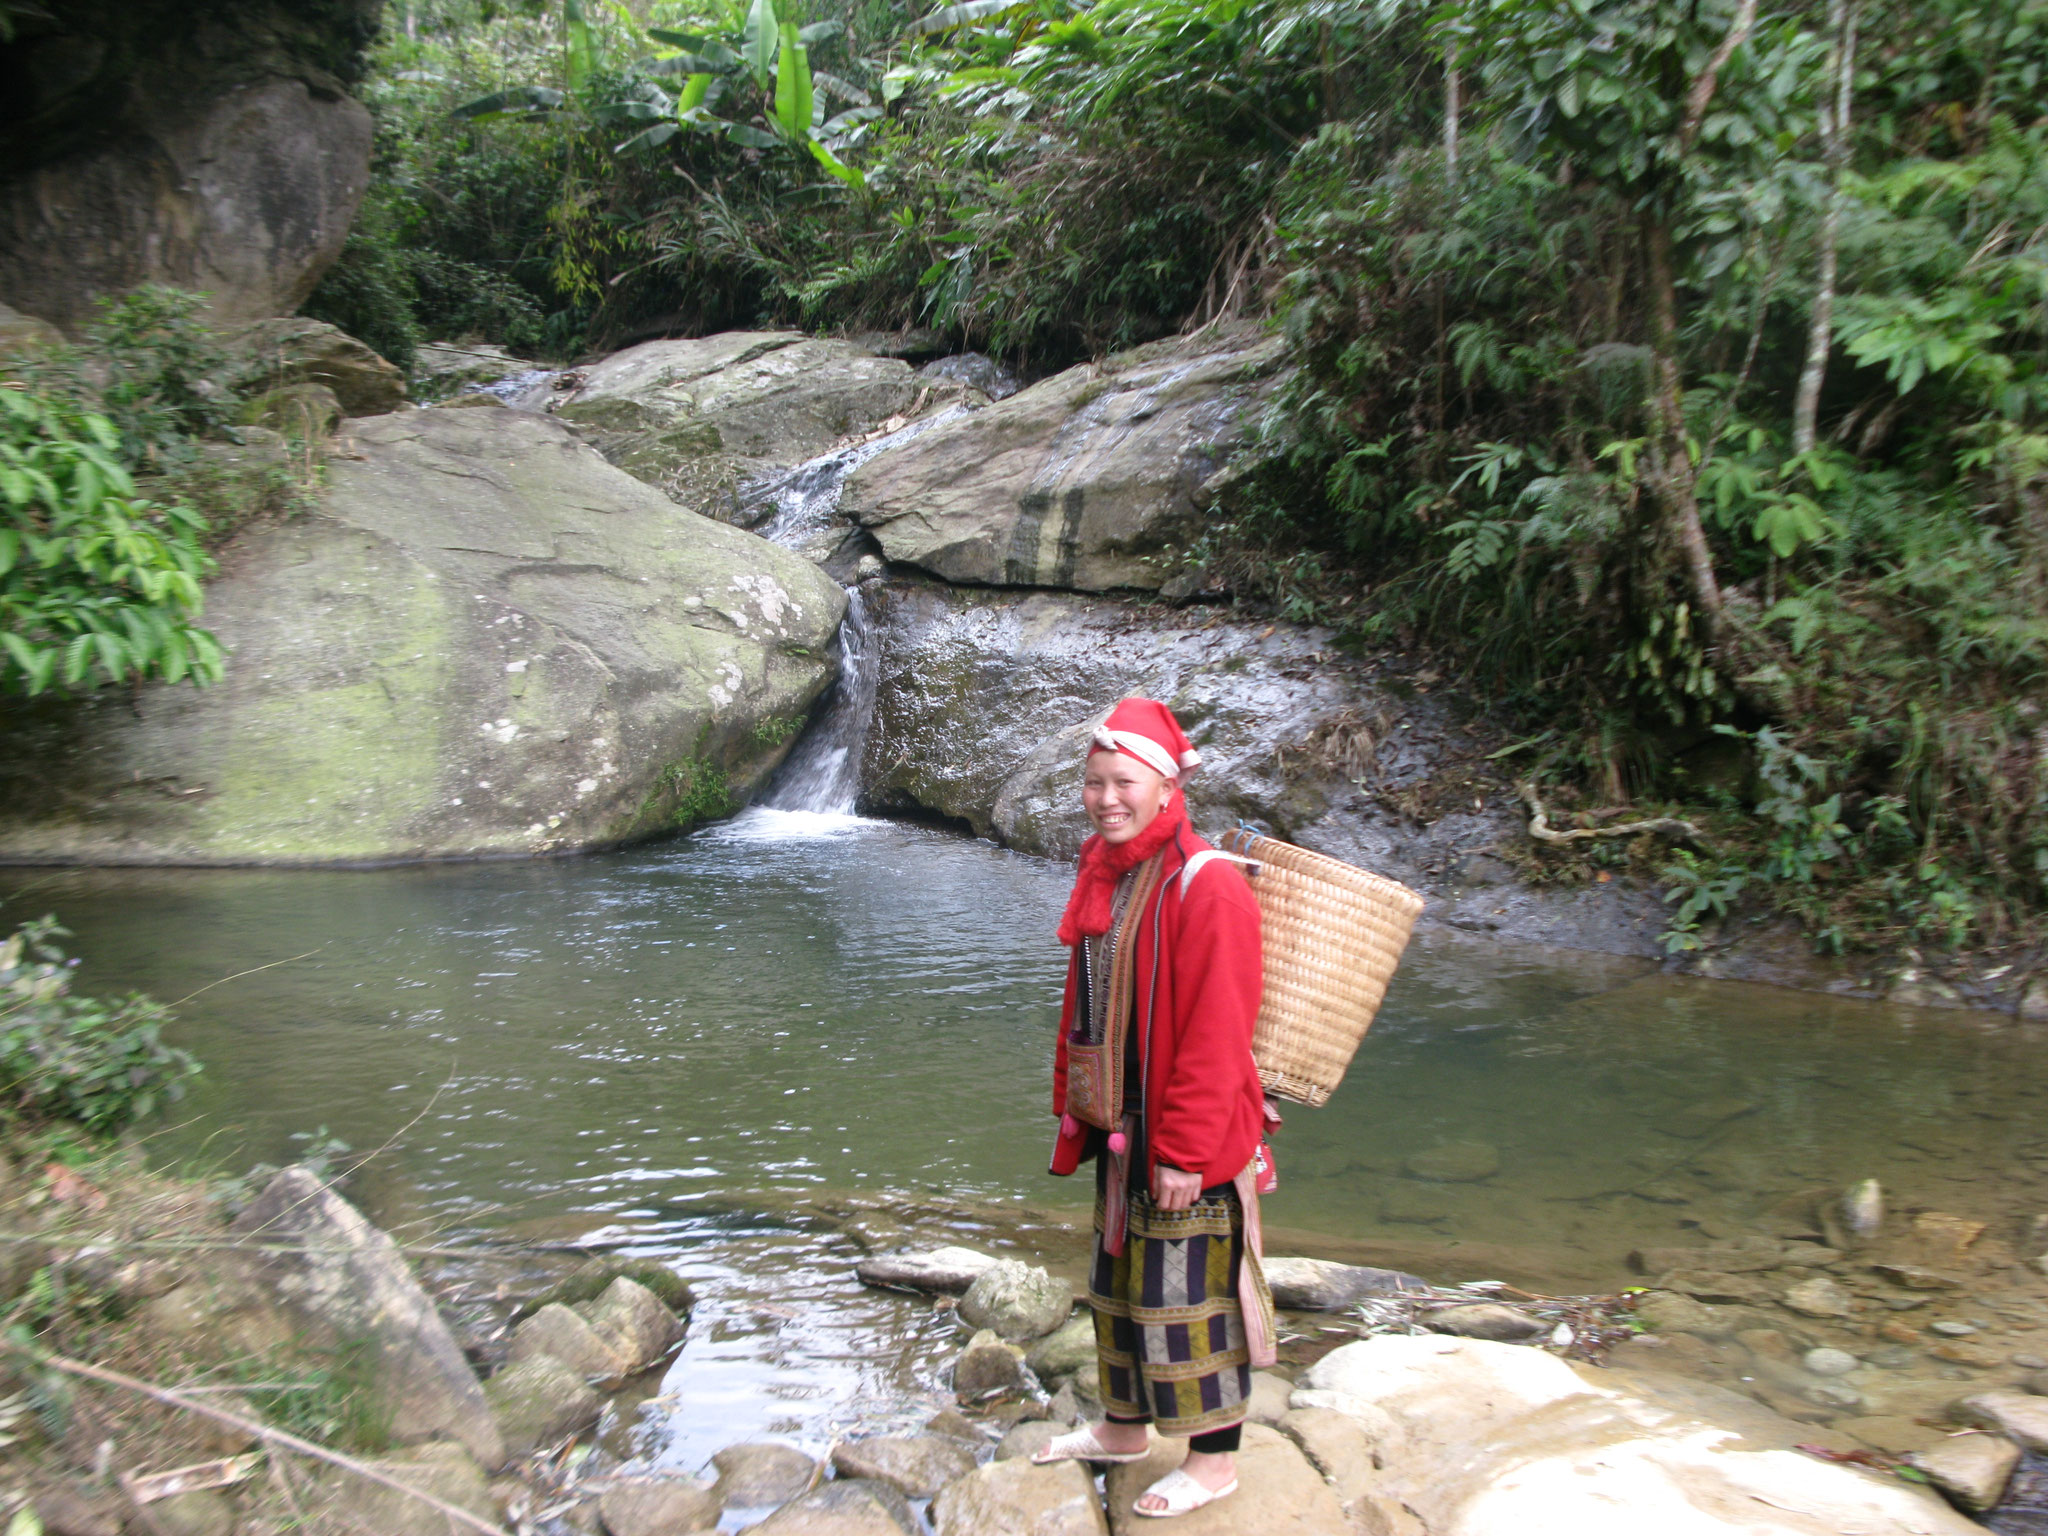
(698, 1047)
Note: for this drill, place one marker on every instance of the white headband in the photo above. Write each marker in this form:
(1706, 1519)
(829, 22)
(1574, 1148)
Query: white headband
(1145, 750)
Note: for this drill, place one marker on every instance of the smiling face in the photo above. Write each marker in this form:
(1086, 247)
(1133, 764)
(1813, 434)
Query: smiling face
(1122, 795)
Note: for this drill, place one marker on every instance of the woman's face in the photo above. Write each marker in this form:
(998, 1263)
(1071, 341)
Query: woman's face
(1123, 795)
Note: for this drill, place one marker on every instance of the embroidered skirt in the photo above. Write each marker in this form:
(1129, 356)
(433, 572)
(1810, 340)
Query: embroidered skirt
(1169, 1335)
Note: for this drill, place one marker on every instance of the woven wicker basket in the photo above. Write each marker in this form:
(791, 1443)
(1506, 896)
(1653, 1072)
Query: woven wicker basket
(1332, 935)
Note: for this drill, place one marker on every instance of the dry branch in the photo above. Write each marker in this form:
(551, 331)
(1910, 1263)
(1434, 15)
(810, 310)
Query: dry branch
(1541, 830)
(263, 1432)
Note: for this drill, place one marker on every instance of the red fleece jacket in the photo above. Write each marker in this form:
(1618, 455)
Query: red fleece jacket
(1204, 1107)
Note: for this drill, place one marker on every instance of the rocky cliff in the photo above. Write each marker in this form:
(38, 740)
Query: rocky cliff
(210, 145)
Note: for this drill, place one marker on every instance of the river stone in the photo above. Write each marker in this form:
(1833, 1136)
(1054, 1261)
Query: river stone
(2017, 1415)
(1066, 1350)
(1917, 1277)
(1668, 1312)
(487, 641)
(307, 412)
(1268, 1403)
(1819, 1297)
(205, 163)
(947, 1271)
(1829, 1362)
(916, 1465)
(1015, 1498)
(1279, 1493)
(2037, 1383)
(1457, 1162)
(1715, 1285)
(1336, 1447)
(1485, 1439)
(539, 1401)
(1729, 1258)
(1084, 480)
(1487, 1320)
(699, 417)
(590, 1279)
(759, 1472)
(976, 372)
(1017, 1301)
(987, 1365)
(849, 1507)
(346, 1281)
(955, 1425)
(1971, 1469)
(267, 355)
(1028, 1439)
(656, 1506)
(1321, 1285)
(446, 1471)
(557, 1331)
(633, 1323)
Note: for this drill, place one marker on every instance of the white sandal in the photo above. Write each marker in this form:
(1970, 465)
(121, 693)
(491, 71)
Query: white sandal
(1183, 1495)
(1081, 1445)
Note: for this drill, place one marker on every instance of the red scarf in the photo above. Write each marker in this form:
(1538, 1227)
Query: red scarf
(1103, 864)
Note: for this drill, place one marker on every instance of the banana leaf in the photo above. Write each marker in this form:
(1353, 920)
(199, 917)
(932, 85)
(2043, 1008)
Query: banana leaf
(845, 90)
(695, 89)
(520, 99)
(793, 95)
(691, 64)
(818, 31)
(579, 52)
(850, 174)
(650, 138)
(959, 14)
(761, 40)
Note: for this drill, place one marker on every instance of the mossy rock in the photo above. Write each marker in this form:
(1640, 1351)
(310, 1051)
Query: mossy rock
(590, 1280)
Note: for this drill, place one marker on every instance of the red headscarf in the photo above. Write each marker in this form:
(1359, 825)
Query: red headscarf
(1144, 730)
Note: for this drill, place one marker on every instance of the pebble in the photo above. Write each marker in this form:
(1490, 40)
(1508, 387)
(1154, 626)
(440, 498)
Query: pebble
(1818, 1298)
(1952, 1329)
(1830, 1394)
(1890, 1358)
(1830, 1362)
(2030, 1362)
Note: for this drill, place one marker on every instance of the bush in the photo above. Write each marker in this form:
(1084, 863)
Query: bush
(99, 1063)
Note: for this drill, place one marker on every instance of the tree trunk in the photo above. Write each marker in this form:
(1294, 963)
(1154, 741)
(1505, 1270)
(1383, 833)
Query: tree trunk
(1671, 459)
(1453, 90)
(1834, 129)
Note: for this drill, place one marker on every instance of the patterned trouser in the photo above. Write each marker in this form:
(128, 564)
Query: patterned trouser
(1169, 1338)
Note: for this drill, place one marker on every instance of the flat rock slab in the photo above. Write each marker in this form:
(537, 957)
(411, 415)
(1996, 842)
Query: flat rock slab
(1014, 1498)
(1278, 1492)
(349, 1283)
(1971, 1469)
(2019, 1415)
(657, 1506)
(1081, 481)
(1319, 1285)
(939, 1271)
(915, 1465)
(1486, 1439)
(700, 417)
(849, 1507)
(760, 1472)
(486, 640)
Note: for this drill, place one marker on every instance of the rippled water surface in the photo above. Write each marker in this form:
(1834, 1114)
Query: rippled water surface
(709, 1047)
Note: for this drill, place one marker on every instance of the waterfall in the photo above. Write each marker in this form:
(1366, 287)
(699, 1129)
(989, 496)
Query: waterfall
(822, 773)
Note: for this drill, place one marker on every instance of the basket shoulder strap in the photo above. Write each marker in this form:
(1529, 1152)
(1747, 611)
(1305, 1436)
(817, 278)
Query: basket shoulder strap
(1193, 867)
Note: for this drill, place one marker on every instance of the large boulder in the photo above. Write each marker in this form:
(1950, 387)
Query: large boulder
(278, 354)
(1089, 479)
(211, 147)
(348, 1284)
(1486, 1439)
(1279, 1492)
(1015, 1498)
(486, 641)
(700, 418)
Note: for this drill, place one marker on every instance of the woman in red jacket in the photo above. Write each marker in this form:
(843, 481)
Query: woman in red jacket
(1154, 1079)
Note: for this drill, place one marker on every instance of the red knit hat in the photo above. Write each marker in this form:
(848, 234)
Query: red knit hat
(1146, 730)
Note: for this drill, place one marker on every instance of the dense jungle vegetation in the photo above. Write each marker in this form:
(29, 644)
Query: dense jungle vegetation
(1672, 371)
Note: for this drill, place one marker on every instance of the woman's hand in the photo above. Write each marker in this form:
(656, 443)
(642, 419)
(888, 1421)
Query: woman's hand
(1173, 1190)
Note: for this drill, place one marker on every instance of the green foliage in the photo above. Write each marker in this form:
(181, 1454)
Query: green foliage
(696, 791)
(99, 1063)
(97, 584)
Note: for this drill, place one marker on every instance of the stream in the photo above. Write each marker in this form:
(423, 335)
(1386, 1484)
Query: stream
(705, 1048)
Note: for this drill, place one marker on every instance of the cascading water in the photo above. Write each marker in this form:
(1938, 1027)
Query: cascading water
(822, 774)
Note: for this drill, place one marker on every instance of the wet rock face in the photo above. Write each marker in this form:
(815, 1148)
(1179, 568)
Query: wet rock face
(208, 147)
(487, 640)
(986, 700)
(698, 418)
(1085, 480)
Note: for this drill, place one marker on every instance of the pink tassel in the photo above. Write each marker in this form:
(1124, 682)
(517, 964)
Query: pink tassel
(1069, 1127)
(1117, 1142)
